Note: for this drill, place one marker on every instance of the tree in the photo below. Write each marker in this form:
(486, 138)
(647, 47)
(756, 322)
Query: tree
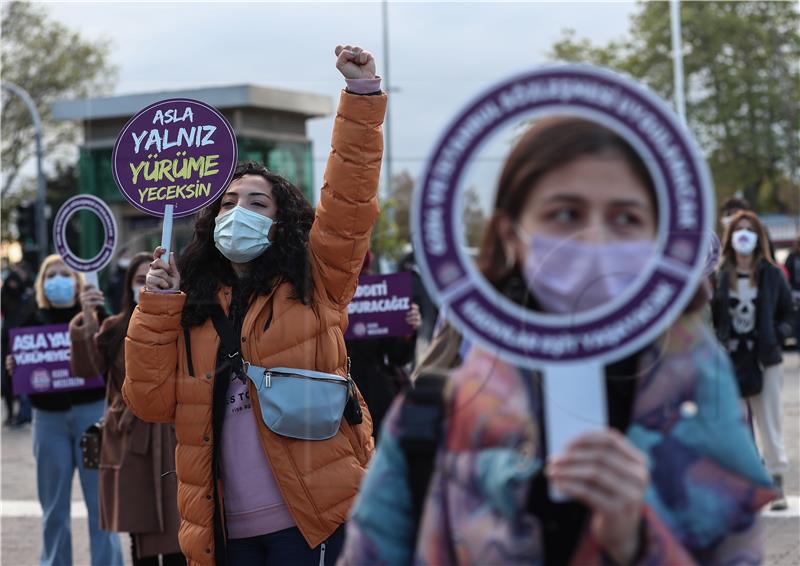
(51, 62)
(743, 87)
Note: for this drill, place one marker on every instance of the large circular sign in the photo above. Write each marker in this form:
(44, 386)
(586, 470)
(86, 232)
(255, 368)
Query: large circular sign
(685, 204)
(178, 151)
(101, 210)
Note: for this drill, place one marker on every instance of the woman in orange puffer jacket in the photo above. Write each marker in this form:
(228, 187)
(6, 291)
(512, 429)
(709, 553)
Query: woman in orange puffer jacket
(284, 278)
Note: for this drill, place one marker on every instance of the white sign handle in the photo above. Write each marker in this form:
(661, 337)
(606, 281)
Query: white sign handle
(575, 403)
(166, 232)
(90, 277)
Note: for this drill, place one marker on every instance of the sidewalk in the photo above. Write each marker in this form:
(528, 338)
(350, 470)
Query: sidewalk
(20, 540)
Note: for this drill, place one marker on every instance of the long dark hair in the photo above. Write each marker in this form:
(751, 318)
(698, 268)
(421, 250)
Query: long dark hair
(761, 252)
(204, 269)
(548, 145)
(116, 327)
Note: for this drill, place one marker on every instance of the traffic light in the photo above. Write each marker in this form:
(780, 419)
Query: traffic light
(26, 224)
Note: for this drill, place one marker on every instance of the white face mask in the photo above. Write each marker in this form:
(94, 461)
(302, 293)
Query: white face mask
(136, 295)
(241, 234)
(744, 241)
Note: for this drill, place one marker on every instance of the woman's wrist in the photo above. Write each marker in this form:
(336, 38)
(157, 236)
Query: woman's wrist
(364, 86)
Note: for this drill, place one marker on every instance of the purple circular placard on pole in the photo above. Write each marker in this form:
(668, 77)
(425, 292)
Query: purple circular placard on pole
(178, 151)
(659, 295)
(101, 210)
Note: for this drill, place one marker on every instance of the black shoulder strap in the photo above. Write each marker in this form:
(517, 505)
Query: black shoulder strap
(187, 341)
(420, 433)
(227, 336)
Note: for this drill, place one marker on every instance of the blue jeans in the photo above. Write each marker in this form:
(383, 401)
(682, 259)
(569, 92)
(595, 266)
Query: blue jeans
(284, 547)
(56, 446)
(24, 412)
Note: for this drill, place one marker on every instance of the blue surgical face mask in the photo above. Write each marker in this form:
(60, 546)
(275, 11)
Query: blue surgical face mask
(136, 295)
(59, 290)
(241, 234)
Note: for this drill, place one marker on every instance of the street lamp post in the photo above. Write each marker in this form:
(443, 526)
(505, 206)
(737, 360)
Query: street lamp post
(677, 54)
(41, 221)
(387, 121)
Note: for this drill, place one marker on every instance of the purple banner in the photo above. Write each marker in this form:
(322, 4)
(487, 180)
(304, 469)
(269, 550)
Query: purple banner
(379, 307)
(178, 151)
(41, 355)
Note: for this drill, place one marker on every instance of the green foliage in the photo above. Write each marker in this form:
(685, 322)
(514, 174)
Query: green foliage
(386, 242)
(51, 62)
(742, 75)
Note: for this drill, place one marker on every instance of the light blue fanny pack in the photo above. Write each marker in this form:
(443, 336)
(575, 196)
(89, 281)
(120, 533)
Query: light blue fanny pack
(300, 403)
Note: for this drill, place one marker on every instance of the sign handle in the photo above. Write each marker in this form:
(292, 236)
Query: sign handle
(575, 403)
(90, 277)
(166, 232)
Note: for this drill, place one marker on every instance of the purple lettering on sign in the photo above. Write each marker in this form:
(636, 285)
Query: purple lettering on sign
(180, 152)
(41, 355)
(379, 307)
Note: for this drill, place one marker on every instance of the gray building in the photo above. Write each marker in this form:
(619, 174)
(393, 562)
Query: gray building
(270, 127)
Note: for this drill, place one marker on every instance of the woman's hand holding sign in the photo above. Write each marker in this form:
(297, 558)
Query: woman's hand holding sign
(163, 277)
(91, 299)
(355, 63)
(604, 471)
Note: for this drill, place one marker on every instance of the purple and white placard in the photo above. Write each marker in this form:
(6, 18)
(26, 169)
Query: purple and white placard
(569, 350)
(379, 307)
(41, 355)
(685, 203)
(178, 152)
(72, 206)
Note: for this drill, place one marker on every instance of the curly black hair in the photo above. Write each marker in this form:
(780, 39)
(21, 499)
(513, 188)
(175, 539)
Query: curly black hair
(204, 269)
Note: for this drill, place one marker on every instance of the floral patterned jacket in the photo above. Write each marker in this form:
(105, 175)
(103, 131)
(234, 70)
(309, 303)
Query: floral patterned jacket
(707, 480)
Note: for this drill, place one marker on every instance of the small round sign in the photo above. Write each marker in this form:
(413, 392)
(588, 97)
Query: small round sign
(685, 206)
(71, 207)
(178, 152)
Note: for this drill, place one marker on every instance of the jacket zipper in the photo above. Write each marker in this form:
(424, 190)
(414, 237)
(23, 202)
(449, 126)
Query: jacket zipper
(322, 555)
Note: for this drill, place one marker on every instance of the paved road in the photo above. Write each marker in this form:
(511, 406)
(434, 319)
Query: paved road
(20, 541)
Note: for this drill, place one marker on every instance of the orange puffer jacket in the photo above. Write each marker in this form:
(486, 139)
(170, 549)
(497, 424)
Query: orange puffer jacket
(317, 479)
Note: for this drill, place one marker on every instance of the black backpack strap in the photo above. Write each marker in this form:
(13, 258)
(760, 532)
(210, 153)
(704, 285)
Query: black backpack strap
(228, 341)
(421, 415)
(188, 343)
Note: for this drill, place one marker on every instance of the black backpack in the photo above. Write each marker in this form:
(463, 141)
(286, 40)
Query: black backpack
(420, 432)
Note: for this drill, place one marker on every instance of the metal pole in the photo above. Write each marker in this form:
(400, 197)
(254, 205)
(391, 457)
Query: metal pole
(41, 221)
(677, 55)
(387, 125)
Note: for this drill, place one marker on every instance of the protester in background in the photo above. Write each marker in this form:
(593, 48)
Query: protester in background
(59, 420)
(674, 479)
(284, 278)
(378, 365)
(419, 294)
(792, 266)
(138, 490)
(753, 315)
(17, 303)
(729, 209)
(115, 288)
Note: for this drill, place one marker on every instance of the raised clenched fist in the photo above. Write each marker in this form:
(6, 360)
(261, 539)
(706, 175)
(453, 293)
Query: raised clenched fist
(355, 63)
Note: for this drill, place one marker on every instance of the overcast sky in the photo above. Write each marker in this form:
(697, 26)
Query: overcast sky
(442, 54)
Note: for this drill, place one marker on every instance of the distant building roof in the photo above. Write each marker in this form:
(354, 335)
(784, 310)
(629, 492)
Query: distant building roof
(221, 97)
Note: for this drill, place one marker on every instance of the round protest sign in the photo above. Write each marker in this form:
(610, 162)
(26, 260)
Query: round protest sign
(660, 292)
(71, 207)
(177, 152)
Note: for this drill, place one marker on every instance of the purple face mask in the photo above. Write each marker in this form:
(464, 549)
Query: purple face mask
(568, 276)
